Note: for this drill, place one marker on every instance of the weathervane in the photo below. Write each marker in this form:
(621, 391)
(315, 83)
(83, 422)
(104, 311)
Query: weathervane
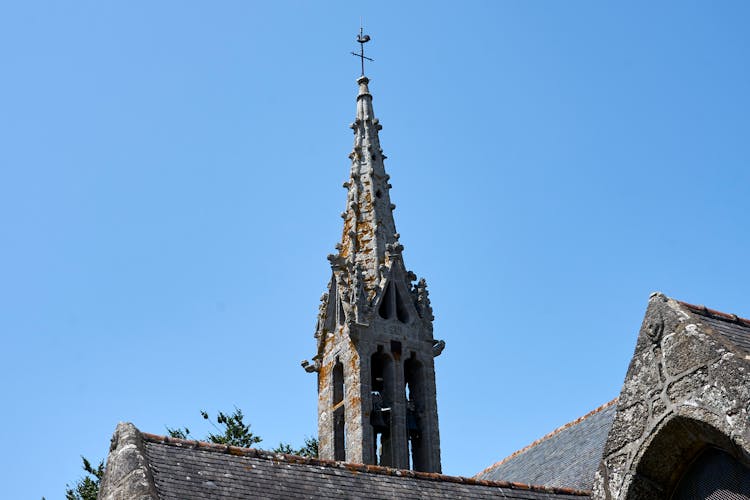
(362, 39)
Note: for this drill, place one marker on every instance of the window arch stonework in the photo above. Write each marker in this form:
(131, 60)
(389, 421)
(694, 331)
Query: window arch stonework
(680, 449)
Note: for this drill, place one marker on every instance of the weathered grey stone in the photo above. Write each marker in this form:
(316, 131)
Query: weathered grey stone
(375, 326)
(687, 387)
(127, 474)
(682, 352)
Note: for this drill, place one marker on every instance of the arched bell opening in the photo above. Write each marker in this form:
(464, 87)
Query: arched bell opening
(339, 412)
(415, 407)
(382, 395)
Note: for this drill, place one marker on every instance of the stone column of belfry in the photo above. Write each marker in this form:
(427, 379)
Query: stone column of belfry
(375, 360)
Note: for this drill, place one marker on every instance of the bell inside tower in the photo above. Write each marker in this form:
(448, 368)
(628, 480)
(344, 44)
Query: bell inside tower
(382, 400)
(414, 395)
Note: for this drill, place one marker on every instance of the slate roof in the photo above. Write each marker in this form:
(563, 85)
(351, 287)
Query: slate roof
(730, 326)
(195, 470)
(567, 457)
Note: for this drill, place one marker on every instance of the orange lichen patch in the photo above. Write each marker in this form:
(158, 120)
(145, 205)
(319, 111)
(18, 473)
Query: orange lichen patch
(323, 374)
(520, 486)
(328, 345)
(355, 355)
(354, 363)
(365, 234)
(354, 402)
(348, 223)
(355, 468)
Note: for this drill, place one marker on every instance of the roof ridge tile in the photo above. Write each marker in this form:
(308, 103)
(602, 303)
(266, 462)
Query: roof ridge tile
(354, 467)
(713, 313)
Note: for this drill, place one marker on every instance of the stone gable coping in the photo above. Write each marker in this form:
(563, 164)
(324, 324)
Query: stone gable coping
(127, 473)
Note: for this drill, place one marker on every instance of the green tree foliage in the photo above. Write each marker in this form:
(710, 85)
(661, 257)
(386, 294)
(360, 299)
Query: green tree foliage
(230, 429)
(309, 449)
(234, 431)
(86, 488)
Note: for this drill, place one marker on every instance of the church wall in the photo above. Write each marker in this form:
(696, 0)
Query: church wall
(686, 388)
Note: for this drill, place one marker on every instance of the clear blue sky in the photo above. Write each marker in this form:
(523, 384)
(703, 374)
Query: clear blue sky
(170, 184)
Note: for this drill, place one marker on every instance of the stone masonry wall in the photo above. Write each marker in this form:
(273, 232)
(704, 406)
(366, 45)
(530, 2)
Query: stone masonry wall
(686, 387)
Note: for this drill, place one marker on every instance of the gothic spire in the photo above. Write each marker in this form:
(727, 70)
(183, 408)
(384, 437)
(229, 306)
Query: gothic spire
(369, 241)
(374, 323)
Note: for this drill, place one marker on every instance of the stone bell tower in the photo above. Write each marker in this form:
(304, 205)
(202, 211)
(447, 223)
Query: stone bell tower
(375, 358)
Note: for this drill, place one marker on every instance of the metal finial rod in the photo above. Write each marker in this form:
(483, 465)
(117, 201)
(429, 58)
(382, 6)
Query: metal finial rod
(362, 39)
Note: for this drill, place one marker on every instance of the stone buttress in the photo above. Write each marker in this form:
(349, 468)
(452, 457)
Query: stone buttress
(375, 359)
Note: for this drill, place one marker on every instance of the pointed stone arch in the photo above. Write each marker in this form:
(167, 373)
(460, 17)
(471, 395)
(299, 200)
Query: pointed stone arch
(402, 306)
(339, 410)
(387, 301)
(676, 449)
(395, 299)
(383, 382)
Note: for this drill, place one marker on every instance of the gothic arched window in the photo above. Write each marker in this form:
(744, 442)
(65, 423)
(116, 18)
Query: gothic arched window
(714, 475)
